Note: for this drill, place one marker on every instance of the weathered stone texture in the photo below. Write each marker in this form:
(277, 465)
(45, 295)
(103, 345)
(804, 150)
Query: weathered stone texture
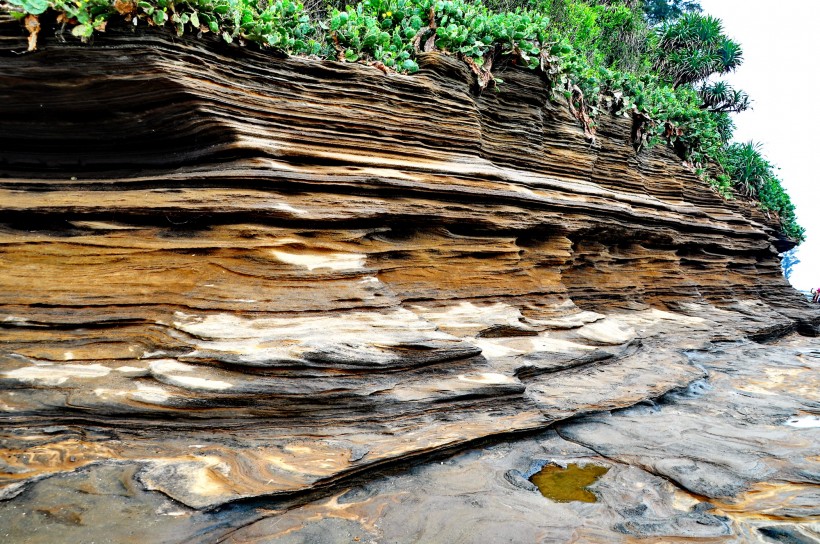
(254, 276)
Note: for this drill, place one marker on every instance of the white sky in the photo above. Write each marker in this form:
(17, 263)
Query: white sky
(781, 73)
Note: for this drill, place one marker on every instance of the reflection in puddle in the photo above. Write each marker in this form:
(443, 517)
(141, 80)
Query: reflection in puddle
(805, 422)
(568, 484)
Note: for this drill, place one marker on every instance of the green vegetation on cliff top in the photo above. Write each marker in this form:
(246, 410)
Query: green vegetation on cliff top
(653, 60)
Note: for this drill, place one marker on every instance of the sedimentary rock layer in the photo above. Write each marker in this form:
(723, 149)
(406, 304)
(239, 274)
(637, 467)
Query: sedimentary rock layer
(248, 275)
(669, 463)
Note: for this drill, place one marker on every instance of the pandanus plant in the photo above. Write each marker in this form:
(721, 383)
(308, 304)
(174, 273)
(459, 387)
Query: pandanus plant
(694, 47)
(747, 166)
(719, 96)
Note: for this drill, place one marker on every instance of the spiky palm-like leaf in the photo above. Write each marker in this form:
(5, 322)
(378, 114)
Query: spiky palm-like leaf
(747, 167)
(725, 126)
(731, 55)
(693, 48)
(722, 97)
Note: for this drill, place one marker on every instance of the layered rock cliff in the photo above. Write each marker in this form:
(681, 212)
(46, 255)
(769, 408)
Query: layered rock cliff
(249, 276)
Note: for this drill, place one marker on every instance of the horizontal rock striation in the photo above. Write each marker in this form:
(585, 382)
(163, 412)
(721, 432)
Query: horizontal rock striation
(255, 276)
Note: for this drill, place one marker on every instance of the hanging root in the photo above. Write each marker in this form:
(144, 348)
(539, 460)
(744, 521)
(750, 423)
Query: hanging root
(430, 43)
(673, 138)
(483, 74)
(579, 111)
(33, 27)
(641, 123)
(380, 66)
(340, 51)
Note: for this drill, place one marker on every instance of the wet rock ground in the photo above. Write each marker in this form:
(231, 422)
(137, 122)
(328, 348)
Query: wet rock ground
(732, 457)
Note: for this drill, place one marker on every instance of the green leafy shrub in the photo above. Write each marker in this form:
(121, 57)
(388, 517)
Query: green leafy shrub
(609, 34)
(658, 11)
(380, 31)
(722, 184)
(388, 31)
(773, 197)
(752, 174)
(280, 23)
(747, 166)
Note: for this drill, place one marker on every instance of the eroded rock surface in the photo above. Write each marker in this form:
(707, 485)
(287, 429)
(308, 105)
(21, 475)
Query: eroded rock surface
(226, 276)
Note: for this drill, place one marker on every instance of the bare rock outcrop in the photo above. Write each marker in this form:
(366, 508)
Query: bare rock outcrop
(252, 276)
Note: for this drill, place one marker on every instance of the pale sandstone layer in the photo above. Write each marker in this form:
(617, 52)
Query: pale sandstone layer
(248, 276)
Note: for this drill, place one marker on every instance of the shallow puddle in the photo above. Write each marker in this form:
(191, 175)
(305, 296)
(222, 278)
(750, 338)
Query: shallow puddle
(804, 422)
(568, 484)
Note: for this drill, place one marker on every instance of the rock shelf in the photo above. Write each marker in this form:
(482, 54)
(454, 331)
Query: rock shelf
(232, 276)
